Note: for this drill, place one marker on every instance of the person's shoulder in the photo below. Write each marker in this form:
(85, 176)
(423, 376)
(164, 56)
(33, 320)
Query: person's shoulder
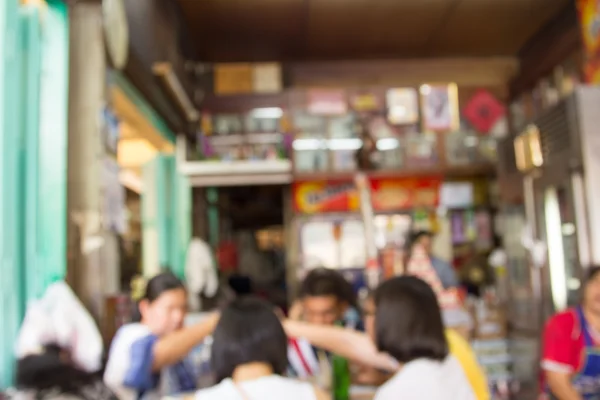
(129, 334)
(218, 391)
(134, 328)
(396, 384)
(564, 321)
(283, 382)
(285, 385)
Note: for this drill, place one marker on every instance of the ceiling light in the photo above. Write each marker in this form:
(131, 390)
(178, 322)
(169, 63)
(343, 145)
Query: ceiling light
(267, 113)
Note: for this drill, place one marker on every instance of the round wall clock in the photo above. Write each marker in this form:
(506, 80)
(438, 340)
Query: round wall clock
(116, 32)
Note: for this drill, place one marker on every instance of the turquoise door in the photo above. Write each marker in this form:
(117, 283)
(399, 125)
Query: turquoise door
(33, 107)
(11, 262)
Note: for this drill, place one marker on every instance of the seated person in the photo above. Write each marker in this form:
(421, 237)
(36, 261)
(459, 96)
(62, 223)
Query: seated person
(249, 357)
(325, 298)
(148, 358)
(571, 361)
(359, 347)
(53, 375)
(444, 270)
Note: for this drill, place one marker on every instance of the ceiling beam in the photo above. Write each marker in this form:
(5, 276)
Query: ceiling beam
(476, 71)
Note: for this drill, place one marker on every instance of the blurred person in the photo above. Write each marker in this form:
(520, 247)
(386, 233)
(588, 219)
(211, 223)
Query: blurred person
(444, 270)
(571, 347)
(52, 374)
(249, 357)
(325, 298)
(53, 362)
(147, 358)
(361, 348)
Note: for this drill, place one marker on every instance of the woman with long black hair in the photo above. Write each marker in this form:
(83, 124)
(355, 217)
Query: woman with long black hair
(249, 357)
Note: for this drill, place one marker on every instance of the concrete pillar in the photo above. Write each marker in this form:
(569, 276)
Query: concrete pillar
(93, 259)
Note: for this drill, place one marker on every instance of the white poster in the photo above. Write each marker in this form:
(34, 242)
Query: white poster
(114, 215)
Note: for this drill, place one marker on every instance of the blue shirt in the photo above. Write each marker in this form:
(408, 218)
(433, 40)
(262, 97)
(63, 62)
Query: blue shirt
(445, 272)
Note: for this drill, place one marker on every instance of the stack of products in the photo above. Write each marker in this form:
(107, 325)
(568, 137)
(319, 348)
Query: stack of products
(491, 344)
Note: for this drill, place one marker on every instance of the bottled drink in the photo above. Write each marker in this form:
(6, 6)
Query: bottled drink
(341, 378)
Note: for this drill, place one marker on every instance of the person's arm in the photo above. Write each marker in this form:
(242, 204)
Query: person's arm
(320, 394)
(174, 347)
(370, 376)
(559, 357)
(561, 386)
(350, 344)
(295, 311)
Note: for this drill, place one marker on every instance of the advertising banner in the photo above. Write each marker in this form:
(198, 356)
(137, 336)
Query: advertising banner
(589, 21)
(325, 196)
(387, 195)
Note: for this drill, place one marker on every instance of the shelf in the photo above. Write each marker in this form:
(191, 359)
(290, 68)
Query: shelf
(447, 172)
(233, 173)
(247, 138)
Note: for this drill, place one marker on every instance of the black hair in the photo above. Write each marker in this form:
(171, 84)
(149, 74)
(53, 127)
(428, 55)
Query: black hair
(156, 286)
(49, 373)
(248, 331)
(592, 272)
(241, 285)
(408, 320)
(321, 282)
(418, 235)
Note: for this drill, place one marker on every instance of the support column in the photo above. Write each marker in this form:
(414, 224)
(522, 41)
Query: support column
(93, 259)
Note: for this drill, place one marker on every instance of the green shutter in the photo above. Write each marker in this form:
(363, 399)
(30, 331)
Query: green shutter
(11, 296)
(181, 219)
(33, 109)
(52, 142)
(29, 108)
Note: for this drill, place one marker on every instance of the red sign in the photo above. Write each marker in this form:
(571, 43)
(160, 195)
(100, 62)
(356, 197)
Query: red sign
(483, 111)
(387, 194)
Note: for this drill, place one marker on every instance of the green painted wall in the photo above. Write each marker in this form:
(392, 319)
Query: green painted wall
(52, 163)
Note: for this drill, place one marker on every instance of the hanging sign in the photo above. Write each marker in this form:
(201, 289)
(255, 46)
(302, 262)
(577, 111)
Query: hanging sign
(403, 106)
(266, 78)
(327, 102)
(483, 111)
(440, 107)
(231, 79)
(400, 194)
(365, 102)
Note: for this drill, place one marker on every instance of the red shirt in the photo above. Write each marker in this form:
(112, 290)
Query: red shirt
(563, 343)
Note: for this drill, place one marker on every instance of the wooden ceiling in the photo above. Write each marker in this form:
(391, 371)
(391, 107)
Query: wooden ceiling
(297, 30)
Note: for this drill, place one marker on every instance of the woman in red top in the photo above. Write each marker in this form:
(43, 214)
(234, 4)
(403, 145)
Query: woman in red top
(571, 352)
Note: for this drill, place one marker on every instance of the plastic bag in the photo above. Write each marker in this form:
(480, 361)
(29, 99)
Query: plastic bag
(60, 318)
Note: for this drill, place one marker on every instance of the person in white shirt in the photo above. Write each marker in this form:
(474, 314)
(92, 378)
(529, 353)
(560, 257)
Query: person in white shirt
(409, 327)
(148, 358)
(249, 357)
